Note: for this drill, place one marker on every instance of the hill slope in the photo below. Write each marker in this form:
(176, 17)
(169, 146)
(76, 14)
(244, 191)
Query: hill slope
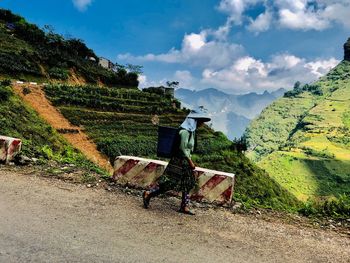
(35, 97)
(30, 53)
(302, 140)
(39, 139)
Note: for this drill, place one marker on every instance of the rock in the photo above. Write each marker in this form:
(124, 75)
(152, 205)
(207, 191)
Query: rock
(88, 186)
(236, 206)
(22, 160)
(347, 50)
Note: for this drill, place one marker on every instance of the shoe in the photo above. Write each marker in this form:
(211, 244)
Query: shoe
(186, 210)
(146, 199)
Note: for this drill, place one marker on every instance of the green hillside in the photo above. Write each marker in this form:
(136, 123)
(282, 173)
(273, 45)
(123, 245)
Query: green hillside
(119, 121)
(39, 139)
(303, 139)
(33, 54)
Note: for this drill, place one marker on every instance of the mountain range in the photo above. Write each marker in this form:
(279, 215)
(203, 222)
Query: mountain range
(230, 113)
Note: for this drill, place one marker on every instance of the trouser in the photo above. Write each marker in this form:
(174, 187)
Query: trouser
(177, 176)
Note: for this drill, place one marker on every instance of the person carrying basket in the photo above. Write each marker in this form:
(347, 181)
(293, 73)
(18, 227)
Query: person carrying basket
(178, 174)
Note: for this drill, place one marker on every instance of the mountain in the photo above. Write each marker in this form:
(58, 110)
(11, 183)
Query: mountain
(302, 140)
(117, 119)
(230, 113)
(33, 54)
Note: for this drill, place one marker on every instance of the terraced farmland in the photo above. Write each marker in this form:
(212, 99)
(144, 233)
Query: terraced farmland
(118, 120)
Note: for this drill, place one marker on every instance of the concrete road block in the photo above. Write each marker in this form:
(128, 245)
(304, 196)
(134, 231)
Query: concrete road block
(212, 186)
(9, 148)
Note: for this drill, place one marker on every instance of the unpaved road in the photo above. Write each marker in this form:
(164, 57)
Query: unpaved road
(44, 220)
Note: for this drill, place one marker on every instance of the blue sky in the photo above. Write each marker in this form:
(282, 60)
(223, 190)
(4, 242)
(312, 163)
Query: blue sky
(237, 46)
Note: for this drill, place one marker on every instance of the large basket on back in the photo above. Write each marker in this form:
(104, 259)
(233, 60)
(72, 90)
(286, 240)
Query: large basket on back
(166, 140)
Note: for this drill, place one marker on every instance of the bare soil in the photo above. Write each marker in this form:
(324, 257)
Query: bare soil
(37, 100)
(50, 220)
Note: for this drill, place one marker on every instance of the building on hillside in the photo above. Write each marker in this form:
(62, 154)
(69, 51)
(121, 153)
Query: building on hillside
(105, 63)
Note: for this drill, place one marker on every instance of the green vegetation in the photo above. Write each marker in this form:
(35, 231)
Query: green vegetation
(38, 138)
(336, 208)
(302, 141)
(119, 121)
(28, 52)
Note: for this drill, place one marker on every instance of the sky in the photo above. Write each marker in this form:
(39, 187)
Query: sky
(236, 46)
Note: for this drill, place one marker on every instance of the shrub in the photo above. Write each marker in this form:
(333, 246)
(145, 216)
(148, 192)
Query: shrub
(5, 93)
(58, 73)
(5, 82)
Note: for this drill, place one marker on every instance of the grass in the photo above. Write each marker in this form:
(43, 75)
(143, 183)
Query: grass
(308, 178)
(309, 154)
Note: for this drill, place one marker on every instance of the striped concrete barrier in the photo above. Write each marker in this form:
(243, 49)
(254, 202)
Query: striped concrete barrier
(212, 186)
(9, 148)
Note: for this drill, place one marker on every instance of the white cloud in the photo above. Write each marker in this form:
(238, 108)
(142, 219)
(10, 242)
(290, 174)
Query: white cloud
(292, 14)
(236, 8)
(248, 74)
(261, 23)
(185, 78)
(321, 67)
(142, 81)
(196, 50)
(304, 20)
(82, 5)
(145, 83)
(338, 12)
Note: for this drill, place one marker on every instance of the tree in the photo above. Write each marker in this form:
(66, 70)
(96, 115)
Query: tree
(172, 84)
(297, 85)
(137, 69)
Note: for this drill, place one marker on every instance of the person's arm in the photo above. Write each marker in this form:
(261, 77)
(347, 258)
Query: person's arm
(184, 135)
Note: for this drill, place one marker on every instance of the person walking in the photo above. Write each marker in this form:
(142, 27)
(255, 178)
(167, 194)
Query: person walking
(178, 174)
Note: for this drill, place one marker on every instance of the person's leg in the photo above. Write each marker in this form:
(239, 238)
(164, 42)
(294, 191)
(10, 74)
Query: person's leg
(165, 184)
(185, 204)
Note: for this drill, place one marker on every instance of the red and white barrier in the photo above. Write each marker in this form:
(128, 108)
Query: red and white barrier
(212, 186)
(9, 148)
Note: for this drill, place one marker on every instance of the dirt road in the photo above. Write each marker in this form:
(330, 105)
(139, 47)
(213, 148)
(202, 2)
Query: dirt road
(44, 220)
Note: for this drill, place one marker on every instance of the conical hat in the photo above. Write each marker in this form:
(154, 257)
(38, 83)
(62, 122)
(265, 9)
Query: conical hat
(200, 114)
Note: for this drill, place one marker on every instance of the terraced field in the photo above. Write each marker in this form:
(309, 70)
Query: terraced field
(118, 120)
